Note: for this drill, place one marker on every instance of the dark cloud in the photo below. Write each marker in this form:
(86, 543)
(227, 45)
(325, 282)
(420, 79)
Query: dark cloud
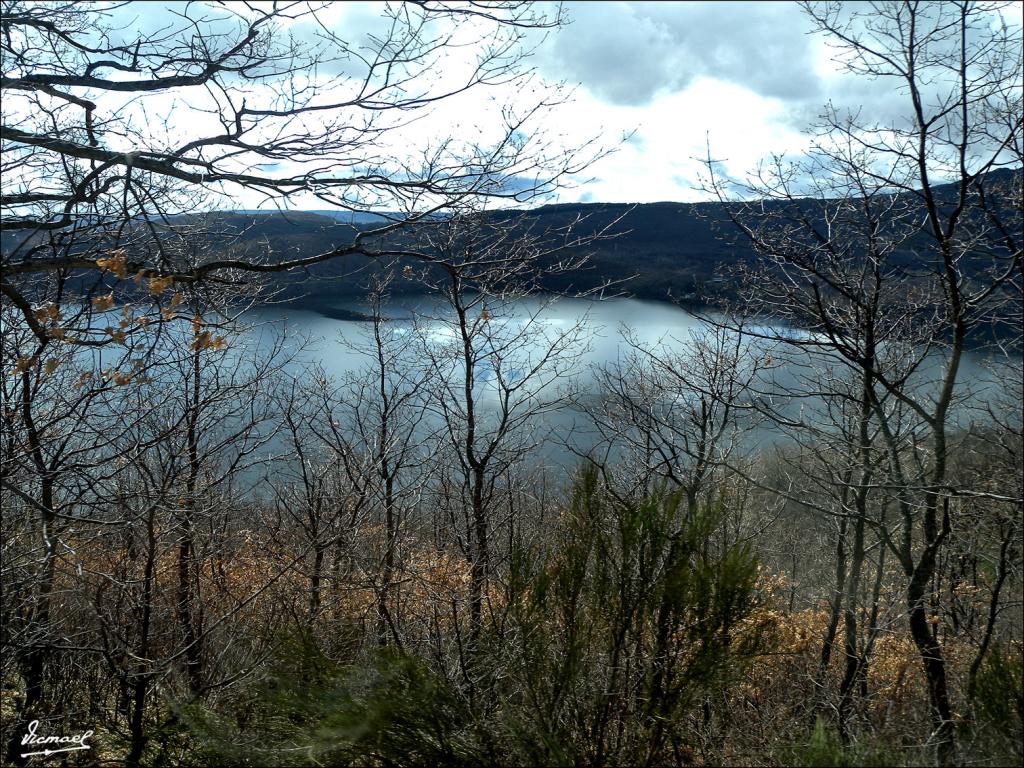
(616, 51)
(629, 52)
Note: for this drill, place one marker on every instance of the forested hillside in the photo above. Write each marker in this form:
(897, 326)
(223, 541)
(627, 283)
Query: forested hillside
(662, 251)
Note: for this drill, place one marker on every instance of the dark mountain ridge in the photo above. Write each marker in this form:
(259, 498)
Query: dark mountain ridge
(660, 251)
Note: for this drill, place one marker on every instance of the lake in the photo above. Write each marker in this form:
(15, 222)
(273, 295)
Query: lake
(334, 344)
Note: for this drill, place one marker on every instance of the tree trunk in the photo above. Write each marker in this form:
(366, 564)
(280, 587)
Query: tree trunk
(140, 691)
(934, 664)
(34, 664)
(187, 566)
(481, 555)
(853, 656)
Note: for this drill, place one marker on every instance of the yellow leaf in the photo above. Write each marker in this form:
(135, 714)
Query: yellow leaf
(51, 366)
(103, 303)
(48, 312)
(116, 262)
(158, 285)
(201, 341)
(23, 364)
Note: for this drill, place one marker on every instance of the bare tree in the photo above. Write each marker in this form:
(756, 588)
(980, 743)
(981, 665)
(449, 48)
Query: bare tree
(894, 274)
(678, 410)
(58, 447)
(359, 460)
(496, 370)
(115, 464)
(278, 104)
(384, 405)
(117, 135)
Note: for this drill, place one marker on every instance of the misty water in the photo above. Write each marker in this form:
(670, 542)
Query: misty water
(602, 340)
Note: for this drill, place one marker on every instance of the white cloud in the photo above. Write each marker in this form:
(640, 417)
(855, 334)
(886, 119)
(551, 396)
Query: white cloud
(663, 159)
(742, 77)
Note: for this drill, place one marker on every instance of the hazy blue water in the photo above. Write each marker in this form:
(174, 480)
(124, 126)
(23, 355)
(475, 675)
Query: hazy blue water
(650, 321)
(600, 341)
(331, 343)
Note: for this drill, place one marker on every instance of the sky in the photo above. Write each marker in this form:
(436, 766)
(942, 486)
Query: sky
(661, 83)
(739, 78)
(655, 86)
(740, 81)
